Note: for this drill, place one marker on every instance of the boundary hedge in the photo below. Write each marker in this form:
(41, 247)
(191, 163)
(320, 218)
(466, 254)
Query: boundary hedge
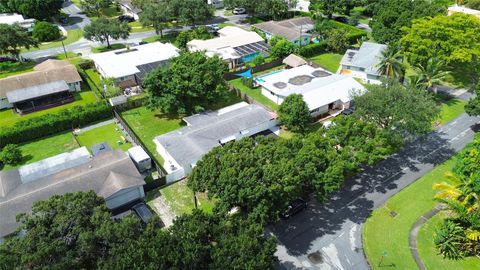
(50, 124)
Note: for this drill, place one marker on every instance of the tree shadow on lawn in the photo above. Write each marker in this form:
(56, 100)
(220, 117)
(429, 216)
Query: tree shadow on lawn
(360, 194)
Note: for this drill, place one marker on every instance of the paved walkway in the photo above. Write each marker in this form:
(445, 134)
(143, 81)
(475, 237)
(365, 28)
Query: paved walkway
(87, 128)
(412, 237)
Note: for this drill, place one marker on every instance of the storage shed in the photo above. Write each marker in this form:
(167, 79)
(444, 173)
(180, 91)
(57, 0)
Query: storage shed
(141, 159)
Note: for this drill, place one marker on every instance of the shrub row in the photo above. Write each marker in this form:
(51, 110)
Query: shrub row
(313, 49)
(50, 124)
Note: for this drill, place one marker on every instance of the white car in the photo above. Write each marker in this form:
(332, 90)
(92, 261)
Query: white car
(238, 11)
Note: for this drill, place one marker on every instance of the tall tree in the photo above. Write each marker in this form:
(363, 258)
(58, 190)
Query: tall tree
(13, 38)
(94, 6)
(294, 113)
(394, 107)
(103, 29)
(431, 74)
(191, 11)
(391, 63)
(38, 9)
(454, 39)
(155, 14)
(190, 83)
(275, 9)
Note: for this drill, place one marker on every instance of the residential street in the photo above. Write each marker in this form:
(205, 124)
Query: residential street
(328, 236)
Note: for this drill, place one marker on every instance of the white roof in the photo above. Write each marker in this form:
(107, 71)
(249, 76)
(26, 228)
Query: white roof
(138, 154)
(123, 62)
(11, 18)
(317, 91)
(462, 9)
(230, 37)
(368, 56)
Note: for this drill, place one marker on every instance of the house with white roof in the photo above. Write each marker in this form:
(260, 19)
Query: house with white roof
(182, 148)
(325, 93)
(461, 9)
(363, 63)
(234, 45)
(11, 18)
(129, 66)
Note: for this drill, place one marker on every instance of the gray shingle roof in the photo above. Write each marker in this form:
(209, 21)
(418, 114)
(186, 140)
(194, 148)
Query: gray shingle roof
(105, 174)
(37, 91)
(289, 29)
(367, 57)
(187, 145)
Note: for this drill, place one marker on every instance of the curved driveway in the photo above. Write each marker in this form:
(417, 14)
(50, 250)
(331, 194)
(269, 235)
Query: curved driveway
(328, 236)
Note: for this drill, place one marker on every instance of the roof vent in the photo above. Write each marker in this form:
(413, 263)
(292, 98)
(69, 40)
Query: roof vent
(280, 85)
(320, 73)
(300, 80)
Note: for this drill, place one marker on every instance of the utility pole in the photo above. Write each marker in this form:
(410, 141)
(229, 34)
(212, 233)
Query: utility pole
(64, 50)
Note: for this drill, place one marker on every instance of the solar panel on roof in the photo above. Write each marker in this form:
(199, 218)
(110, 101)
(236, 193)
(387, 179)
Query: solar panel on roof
(251, 48)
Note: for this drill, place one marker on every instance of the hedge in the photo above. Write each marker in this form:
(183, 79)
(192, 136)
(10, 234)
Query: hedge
(313, 49)
(50, 124)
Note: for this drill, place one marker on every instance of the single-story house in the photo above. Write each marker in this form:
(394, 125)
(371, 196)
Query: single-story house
(234, 45)
(51, 83)
(129, 8)
(183, 148)
(112, 175)
(296, 30)
(363, 63)
(129, 66)
(461, 9)
(325, 93)
(11, 18)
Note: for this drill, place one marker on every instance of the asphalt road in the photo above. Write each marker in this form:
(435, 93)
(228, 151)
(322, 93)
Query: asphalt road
(328, 236)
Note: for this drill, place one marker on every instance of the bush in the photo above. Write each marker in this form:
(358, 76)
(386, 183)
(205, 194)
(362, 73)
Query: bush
(11, 155)
(282, 49)
(45, 31)
(50, 124)
(313, 49)
(248, 82)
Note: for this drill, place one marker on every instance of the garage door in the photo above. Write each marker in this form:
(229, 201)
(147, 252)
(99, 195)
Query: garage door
(124, 196)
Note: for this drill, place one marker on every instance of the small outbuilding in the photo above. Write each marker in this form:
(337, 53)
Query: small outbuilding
(141, 159)
(294, 60)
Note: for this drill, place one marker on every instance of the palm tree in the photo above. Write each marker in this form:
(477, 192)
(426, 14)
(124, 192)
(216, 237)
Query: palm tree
(391, 63)
(463, 189)
(431, 74)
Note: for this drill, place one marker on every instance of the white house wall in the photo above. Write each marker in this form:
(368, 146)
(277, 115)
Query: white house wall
(277, 99)
(357, 73)
(124, 196)
(4, 104)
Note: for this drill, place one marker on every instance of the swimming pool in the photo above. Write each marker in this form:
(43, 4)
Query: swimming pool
(260, 78)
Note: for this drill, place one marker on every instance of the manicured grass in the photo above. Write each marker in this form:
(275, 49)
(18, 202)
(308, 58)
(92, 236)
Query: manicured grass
(329, 61)
(167, 38)
(138, 27)
(429, 253)
(451, 109)
(110, 134)
(72, 36)
(150, 124)
(382, 232)
(222, 25)
(72, 57)
(180, 198)
(17, 68)
(45, 148)
(105, 48)
(9, 118)
(254, 93)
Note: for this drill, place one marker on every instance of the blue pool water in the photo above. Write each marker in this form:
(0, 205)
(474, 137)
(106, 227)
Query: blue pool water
(260, 78)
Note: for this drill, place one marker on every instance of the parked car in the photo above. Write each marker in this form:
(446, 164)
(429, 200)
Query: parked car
(341, 19)
(294, 207)
(142, 43)
(238, 11)
(142, 211)
(348, 111)
(212, 28)
(126, 18)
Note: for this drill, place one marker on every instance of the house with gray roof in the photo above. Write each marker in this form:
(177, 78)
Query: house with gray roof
(182, 148)
(295, 30)
(363, 63)
(111, 175)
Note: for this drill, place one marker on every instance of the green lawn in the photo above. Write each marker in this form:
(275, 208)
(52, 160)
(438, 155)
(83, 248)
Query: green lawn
(429, 253)
(17, 68)
(109, 133)
(180, 198)
(329, 61)
(255, 93)
(45, 147)
(138, 27)
(150, 124)
(73, 36)
(9, 118)
(105, 48)
(382, 232)
(170, 37)
(451, 109)
(73, 58)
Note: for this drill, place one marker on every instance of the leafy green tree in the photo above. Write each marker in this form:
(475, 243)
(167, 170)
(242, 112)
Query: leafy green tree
(393, 107)
(103, 29)
(45, 31)
(11, 154)
(390, 16)
(185, 36)
(282, 48)
(473, 4)
(453, 39)
(94, 7)
(190, 83)
(448, 240)
(155, 14)
(431, 74)
(38, 9)
(13, 38)
(110, 88)
(191, 11)
(326, 7)
(472, 107)
(294, 113)
(275, 9)
(391, 63)
(337, 40)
